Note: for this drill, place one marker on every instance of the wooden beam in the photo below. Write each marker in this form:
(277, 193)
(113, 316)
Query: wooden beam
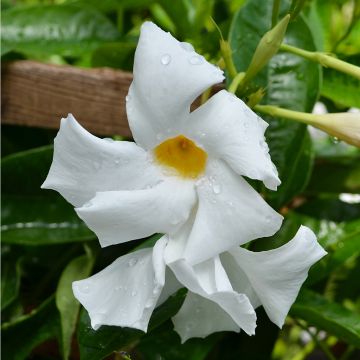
(37, 94)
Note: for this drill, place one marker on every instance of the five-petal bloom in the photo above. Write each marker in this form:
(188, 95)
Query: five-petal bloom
(183, 178)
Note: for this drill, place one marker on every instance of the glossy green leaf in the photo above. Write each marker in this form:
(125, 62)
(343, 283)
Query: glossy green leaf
(41, 220)
(28, 331)
(96, 345)
(78, 269)
(114, 55)
(55, 29)
(10, 281)
(188, 16)
(164, 343)
(290, 82)
(30, 215)
(341, 88)
(335, 176)
(112, 5)
(329, 316)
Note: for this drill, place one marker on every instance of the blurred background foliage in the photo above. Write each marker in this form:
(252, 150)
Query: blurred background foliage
(45, 246)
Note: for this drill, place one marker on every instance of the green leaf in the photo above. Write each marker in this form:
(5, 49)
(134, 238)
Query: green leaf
(95, 345)
(55, 29)
(290, 82)
(41, 220)
(164, 343)
(328, 316)
(10, 281)
(335, 176)
(188, 16)
(28, 331)
(30, 215)
(112, 5)
(114, 55)
(341, 88)
(78, 269)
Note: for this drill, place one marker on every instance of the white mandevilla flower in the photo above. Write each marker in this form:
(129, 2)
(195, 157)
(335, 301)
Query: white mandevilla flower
(182, 178)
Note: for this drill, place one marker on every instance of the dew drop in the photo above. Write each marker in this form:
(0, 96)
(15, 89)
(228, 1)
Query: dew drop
(196, 60)
(88, 204)
(246, 124)
(117, 161)
(187, 47)
(85, 288)
(166, 59)
(132, 262)
(174, 221)
(217, 189)
(335, 140)
(198, 310)
(159, 136)
(148, 304)
(133, 293)
(189, 326)
(268, 219)
(109, 140)
(118, 288)
(127, 98)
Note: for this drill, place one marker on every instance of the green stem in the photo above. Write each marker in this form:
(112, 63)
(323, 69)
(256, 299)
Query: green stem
(271, 110)
(324, 60)
(275, 12)
(236, 82)
(227, 56)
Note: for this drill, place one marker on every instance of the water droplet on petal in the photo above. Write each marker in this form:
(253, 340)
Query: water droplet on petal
(196, 60)
(127, 98)
(133, 293)
(84, 288)
(166, 59)
(186, 46)
(246, 124)
(149, 303)
(132, 262)
(268, 219)
(217, 189)
(118, 288)
(198, 310)
(159, 136)
(87, 204)
(335, 140)
(117, 161)
(110, 140)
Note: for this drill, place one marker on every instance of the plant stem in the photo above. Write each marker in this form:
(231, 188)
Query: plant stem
(305, 118)
(227, 56)
(236, 82)
(324, 60)
(275, 12)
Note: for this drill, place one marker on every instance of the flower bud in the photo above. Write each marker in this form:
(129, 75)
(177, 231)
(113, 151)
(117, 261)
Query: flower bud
(267, 47)
(344, 126)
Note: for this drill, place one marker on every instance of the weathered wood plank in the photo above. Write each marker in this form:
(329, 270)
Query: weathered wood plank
(37, 94)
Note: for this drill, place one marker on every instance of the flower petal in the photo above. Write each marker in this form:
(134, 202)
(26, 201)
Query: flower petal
(126, 292)
(209, 280)
(168, 76)
(228, 129)
(200, 317)
(120, 216)
(230, 213)
(84, 164)
(277, 275)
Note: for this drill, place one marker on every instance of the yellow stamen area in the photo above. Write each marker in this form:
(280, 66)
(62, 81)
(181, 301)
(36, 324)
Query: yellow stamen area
(181, 154)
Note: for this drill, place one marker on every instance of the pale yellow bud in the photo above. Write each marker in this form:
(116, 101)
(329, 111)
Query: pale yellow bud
(344, 126)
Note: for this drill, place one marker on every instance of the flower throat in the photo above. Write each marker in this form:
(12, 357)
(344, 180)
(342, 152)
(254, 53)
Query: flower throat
(181, 154)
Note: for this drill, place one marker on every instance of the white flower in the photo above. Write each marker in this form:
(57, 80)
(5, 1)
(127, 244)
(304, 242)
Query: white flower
(183, 178)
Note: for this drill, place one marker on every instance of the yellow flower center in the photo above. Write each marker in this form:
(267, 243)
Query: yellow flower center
(181, 154)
